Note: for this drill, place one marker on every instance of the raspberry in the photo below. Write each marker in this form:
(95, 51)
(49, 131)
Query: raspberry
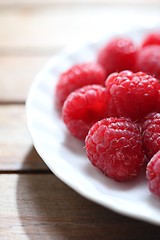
(117, 55)
(114, 146)
(83, 108)
(78, 76)
(151, 134)
(148, 60)
(133, 95)
(153, 174)
(151, 39)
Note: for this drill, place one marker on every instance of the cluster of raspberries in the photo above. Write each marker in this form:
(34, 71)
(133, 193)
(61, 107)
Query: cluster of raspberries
(113, 104)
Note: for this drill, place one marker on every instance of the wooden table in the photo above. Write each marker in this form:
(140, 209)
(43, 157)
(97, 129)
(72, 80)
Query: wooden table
(34, 204)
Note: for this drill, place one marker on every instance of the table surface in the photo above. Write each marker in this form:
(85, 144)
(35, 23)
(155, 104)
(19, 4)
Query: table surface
(34, 204)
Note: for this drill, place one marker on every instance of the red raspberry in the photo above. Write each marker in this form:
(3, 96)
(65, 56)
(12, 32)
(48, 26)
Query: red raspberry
(153, 174)
(78, 76)
(151, 39)
(83, 108)
(114, 146)
(118, 54)
(133, 95)
(151, 134)
(148, 60)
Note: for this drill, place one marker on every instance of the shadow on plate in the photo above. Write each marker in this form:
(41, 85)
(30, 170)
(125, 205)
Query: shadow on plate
(73, 145)
(48, 209)
(105, 181)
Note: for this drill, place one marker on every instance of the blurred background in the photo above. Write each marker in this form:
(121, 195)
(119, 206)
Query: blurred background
(31, 31)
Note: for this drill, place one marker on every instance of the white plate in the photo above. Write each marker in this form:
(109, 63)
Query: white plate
(65, 155)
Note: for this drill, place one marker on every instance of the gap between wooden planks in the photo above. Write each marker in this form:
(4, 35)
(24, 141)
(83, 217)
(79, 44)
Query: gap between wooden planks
(42, 207)
(32, 30)
(17, 153)
(16, 76)
(29, 37)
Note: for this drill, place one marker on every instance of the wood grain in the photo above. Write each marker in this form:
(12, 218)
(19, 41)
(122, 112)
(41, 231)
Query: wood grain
(42, 207)
(17, 152)
(17, 75)
(49, 29)
(34, 204)
(31, 30)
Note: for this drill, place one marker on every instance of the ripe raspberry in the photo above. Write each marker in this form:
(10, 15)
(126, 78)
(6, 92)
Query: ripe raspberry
(133, 95)
(114, 146)
(148, 60)
(151, 39)
(151, 134)
(83, 108)
(153, 174)
(117, 55)
(78, 76)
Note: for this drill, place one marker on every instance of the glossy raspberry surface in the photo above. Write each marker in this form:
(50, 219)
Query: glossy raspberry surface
(78, 76)
(151, 39)
(83, 108)
(133, 95)
(148, 60)
(114, 146)
(153, 174)
(117, 55)
(151, 134)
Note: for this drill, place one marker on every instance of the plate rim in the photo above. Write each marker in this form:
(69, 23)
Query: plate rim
(71, 184)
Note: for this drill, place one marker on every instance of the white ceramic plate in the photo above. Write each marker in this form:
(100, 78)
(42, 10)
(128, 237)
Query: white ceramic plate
(65, 155)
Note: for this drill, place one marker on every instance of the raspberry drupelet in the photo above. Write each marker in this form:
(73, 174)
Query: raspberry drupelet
(118, 54)
(148, 60)
(153, 174)
(78, 76)
(83, 108)
(151, 134)
(114, 146)
(151, 39)
(133, 95)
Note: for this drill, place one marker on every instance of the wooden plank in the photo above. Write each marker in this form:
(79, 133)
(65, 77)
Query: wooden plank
(17, 75)
(17, 152)
(50, 28)
(42, 207)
